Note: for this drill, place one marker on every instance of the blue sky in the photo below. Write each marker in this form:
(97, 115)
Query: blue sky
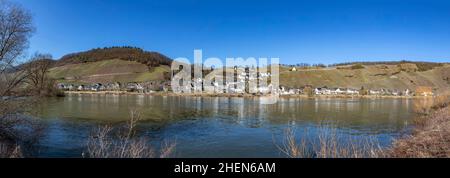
(295, 31)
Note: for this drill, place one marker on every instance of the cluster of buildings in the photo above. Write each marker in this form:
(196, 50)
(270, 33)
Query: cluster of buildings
(144, 87)
(308, 90)
(197, 86)
(242, 83)
(336, 91)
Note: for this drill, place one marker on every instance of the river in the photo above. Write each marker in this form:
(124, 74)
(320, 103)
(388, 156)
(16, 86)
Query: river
(221, 127)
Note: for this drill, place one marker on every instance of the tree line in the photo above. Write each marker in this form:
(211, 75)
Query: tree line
(150, 59)
(422, 66)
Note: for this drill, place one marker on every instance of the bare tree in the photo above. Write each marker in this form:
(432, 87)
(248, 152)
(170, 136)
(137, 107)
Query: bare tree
(16, 27)
(37, 73)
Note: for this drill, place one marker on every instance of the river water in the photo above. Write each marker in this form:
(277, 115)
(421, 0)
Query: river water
(218, 127)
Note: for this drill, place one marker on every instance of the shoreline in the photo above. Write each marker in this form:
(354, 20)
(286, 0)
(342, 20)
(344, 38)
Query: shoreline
(429, 139)
(240, 95)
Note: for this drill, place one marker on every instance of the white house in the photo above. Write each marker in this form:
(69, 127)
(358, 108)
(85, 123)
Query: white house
(263, 89)
(407, 92)
(326, 91)
(395, 93)
(374, 92)
(352, 92)
(340, 91)
(317, 91)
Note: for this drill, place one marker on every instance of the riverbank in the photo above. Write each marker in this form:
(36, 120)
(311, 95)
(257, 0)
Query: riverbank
(430, 138)
(228, 95)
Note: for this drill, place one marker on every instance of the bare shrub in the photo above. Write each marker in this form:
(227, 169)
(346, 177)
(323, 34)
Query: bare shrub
(422, 106)
(441, 101)
(123, 142)
(10, 151)
(431, 138)
(18, 130)
(431, 135)
(292, 148)
(167, 149)
(38, 82)
(329, 144)
(425, 106)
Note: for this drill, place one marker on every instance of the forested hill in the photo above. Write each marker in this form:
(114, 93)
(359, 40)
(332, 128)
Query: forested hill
(150, 59)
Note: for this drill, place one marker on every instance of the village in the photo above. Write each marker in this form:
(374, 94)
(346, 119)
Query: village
(244, 83)
(144, 87)
(229, 88)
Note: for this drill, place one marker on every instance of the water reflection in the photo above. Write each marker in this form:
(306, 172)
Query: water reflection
(205, 124)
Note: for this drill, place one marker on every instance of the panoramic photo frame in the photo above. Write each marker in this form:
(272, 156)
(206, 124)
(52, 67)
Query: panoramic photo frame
(225, 87)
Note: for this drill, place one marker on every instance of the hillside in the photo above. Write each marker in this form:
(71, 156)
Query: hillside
(150, 59)
(370, 76)
(113, 64)
(128, 64)
(373, 76)
(108, 71)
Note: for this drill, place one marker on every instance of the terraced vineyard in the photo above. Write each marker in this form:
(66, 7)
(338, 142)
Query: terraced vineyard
(373, 76)
(108, 71)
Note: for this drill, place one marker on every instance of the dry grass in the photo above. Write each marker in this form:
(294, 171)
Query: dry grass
(329, 144)
(19, 134)
(292, 148)
(110, 142)
(10, 151)
(431, 138)
(441, 100)
(425, 106)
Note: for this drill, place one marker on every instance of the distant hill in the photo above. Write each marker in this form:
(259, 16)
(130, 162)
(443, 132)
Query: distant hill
(108, 71)
(150, 59)
(129, 64)
(111, 64)
(375, 76)
(421, 66)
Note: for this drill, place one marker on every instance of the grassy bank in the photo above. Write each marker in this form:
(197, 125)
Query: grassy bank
(431, 136)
